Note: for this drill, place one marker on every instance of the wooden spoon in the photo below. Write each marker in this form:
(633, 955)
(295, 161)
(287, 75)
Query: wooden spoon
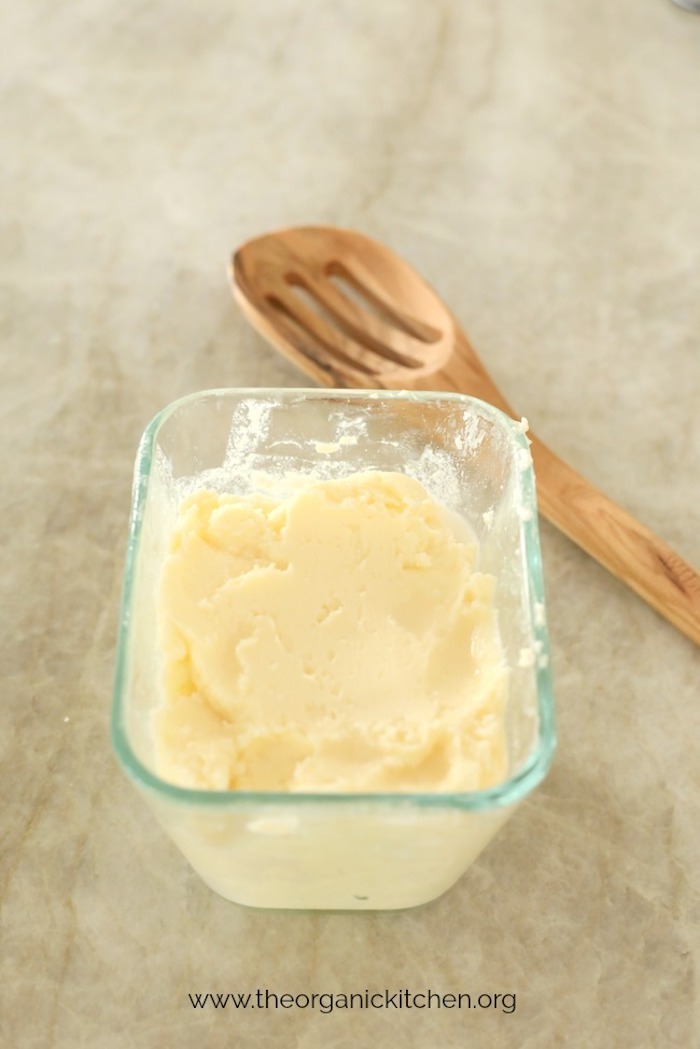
(352, 314)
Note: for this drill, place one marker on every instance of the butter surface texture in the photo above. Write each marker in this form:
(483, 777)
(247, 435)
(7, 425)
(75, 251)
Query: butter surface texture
(338, 639)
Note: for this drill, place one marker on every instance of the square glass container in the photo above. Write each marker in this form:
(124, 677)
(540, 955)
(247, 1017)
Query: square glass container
(333, 850)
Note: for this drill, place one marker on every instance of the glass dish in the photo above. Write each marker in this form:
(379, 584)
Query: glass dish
(348, 851)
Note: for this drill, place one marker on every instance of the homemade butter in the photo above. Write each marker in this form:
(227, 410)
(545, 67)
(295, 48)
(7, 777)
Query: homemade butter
(339, 639)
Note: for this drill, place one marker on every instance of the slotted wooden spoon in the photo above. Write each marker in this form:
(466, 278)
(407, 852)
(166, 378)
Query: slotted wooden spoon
(352, 314)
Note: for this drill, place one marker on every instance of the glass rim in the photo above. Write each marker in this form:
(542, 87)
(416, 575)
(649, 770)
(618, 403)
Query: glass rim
(505, 793)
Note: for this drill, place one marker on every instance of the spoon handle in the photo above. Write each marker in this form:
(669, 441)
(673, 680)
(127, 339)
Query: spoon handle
(617, 541)
(595, 523)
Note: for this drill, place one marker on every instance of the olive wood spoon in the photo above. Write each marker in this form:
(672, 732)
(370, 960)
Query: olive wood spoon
(352, 314)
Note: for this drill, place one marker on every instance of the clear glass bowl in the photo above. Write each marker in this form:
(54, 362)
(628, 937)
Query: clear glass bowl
(349, 851)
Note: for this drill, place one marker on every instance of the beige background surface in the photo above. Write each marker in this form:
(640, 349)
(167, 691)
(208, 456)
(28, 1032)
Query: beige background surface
(540, 163)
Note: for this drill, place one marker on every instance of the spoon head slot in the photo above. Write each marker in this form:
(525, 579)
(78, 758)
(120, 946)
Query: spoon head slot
(311, 336)
(345, 318)
(370, 300)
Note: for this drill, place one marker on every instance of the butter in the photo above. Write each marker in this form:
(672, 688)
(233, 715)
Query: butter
(338, 639)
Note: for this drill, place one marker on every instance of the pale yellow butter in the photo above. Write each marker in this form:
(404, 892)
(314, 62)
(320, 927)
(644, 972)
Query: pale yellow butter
(339, 639)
